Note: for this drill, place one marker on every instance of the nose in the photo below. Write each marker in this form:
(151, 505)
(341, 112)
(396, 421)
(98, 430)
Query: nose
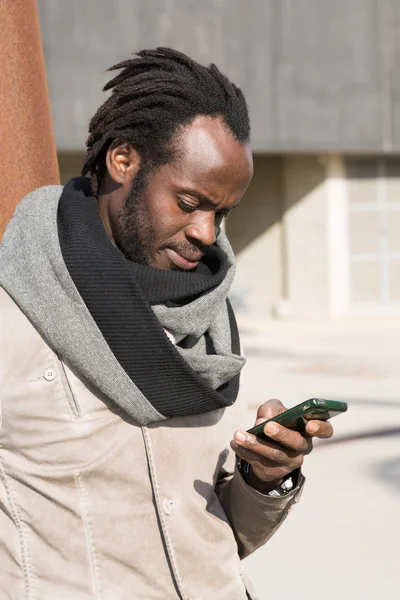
(202, 228)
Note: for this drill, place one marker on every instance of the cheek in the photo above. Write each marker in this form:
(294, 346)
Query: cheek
(167, 219)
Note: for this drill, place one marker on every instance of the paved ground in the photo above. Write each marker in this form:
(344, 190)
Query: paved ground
(342, 542)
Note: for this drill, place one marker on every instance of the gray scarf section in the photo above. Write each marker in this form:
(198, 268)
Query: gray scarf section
(33, 273)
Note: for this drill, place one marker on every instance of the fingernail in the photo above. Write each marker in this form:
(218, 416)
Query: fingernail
(313, 427)
(240, 436)
(272, 428)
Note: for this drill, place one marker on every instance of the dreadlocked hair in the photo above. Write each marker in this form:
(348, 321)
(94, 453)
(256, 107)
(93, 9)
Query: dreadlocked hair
(153, 96)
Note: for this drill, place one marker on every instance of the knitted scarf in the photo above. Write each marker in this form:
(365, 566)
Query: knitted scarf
(109, 318)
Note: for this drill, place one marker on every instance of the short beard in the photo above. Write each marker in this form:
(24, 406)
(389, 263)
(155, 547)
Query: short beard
(132, 232)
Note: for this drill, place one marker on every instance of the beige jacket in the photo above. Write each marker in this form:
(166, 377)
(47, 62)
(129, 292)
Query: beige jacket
(93, 506)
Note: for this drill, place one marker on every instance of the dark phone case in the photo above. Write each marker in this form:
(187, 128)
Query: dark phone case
(297, 417)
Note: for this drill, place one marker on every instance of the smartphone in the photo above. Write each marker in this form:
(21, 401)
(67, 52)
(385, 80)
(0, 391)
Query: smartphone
(297, 417)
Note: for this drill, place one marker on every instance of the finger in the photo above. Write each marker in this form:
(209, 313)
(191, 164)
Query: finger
(265, 448)
(288, 438)
(269, 409)
(319, 429)
(279, 464)
(275, 453)
(246, 454)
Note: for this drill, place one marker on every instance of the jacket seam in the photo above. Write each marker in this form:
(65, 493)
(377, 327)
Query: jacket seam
(88, 534)
(11, 496)
(156, 490)
(72, 401)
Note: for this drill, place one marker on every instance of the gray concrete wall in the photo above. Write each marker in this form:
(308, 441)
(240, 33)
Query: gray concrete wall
(319, 75)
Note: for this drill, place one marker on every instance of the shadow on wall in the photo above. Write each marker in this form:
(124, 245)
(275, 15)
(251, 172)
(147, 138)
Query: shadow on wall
(70, 164)
(261, 207)
(279, 183)
(279, 226)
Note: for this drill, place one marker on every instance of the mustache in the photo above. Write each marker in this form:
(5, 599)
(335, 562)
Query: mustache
(187, 250)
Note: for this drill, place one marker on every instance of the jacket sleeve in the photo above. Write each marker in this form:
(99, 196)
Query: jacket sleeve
(254, 517)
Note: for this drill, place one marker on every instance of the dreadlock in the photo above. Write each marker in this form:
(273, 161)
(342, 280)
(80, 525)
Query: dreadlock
(154, 95)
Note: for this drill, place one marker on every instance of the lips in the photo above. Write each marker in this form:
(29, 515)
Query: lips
(183, 262)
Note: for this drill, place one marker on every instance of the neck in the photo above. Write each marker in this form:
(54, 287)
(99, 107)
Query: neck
(103, 207)
(110, 200)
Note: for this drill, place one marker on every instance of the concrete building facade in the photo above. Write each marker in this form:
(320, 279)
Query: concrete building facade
(318, 233)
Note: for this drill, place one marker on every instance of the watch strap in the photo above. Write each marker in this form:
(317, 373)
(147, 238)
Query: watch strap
(282, 490)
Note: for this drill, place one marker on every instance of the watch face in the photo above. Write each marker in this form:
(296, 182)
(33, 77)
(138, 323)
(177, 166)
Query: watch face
(282, 489)
(288, 484)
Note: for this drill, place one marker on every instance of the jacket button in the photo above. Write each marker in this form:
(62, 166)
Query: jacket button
(49, 374)
(166, 506)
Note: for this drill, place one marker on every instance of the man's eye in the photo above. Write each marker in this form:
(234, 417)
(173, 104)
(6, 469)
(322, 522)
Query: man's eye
(186, 207)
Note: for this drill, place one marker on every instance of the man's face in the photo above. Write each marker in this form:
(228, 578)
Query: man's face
(173, 213)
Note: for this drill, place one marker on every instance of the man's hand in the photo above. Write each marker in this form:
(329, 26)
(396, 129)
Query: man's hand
(272, 461)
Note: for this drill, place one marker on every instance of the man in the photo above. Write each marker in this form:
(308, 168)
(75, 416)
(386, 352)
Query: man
(120, 359)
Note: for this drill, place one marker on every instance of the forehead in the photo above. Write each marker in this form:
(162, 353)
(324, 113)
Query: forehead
(208, 154)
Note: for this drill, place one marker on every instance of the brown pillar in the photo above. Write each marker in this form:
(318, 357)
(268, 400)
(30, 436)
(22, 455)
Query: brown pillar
(28, 156)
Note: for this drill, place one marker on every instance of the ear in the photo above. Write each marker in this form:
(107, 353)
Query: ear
(122, 161)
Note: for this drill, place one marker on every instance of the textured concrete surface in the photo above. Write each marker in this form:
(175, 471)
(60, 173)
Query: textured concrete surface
(317, 74)
(342, 541)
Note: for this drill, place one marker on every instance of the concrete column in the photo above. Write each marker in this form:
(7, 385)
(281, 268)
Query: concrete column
(338, 236)
(27, 147)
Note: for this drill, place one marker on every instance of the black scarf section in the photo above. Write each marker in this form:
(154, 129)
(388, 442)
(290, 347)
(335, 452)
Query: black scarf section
(119, 293)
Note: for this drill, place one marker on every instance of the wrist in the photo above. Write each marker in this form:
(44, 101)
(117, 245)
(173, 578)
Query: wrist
(277, 487)
(263, 486)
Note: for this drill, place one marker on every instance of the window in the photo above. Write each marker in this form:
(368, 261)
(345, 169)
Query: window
(374, 223)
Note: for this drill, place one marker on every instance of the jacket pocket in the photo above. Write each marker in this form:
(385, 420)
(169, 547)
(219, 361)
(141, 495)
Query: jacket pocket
(72, 400)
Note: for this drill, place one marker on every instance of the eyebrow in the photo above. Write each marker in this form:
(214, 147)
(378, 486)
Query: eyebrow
(199, 196)
(202, 198)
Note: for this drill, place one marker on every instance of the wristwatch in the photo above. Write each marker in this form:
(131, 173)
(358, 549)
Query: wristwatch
(282, 489)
